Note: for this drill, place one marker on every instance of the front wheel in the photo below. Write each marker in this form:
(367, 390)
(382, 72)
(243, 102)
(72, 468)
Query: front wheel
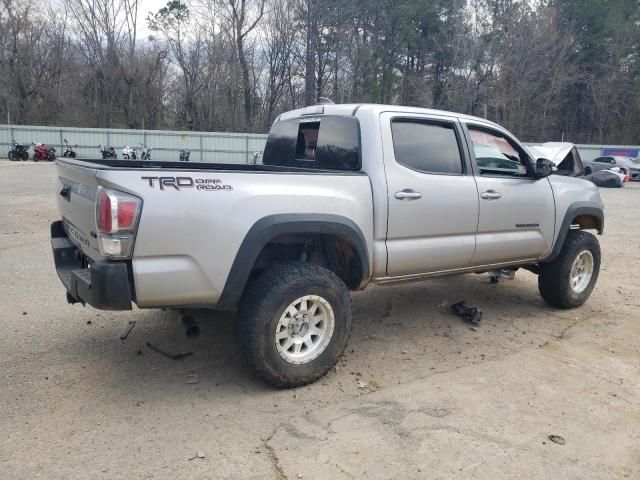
(12, 156)
(36, 156)
(294, 323)
(567, 281)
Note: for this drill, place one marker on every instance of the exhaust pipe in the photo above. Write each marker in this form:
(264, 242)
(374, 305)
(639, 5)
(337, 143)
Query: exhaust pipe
(191, 327)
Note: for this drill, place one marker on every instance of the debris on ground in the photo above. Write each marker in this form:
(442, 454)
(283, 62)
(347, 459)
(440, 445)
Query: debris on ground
(557, 439)
(193, 378)
(127, 331)
(177, 356)
(372, 386)
(471, 315)
(199, 454)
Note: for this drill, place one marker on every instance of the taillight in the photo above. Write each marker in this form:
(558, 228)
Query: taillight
(117, 215)
(103, 212)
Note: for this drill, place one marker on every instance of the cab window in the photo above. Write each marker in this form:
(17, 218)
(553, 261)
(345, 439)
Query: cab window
(427, 147)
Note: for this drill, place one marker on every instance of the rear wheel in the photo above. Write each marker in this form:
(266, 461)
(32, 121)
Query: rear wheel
(568, 281)
(294, 323)
(12, 156)
(587, 170)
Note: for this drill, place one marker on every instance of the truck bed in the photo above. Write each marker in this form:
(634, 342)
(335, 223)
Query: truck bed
(195, 216)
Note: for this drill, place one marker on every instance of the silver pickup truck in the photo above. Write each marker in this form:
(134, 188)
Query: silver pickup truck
(346, 196)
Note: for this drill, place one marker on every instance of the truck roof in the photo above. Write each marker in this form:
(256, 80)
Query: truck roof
(375, 108)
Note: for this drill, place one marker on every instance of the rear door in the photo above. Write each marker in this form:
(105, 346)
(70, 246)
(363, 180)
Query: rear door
(433, 199)
(517, 211)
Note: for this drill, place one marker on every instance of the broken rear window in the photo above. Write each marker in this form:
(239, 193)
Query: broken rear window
(323, 142)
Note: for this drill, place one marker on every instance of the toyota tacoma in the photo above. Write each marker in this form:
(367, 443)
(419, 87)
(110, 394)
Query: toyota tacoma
(345, 196)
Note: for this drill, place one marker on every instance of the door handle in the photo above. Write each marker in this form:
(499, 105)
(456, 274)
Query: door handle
(490, 195)
(408, 194)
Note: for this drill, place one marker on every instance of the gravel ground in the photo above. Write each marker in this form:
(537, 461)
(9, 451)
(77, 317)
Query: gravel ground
(441, 400)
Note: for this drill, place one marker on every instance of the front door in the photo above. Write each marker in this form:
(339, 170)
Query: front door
(433, 199)
(517, 211)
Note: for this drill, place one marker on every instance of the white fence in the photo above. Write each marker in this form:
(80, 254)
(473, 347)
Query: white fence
(166, 145)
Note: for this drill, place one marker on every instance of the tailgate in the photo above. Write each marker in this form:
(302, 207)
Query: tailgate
(76, 196)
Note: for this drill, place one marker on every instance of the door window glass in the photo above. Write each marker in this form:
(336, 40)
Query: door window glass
(496, 155)
(426, 147)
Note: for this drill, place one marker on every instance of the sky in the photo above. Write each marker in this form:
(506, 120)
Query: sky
(144, 8)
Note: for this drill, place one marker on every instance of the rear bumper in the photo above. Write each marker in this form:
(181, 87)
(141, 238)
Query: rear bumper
(103, 285)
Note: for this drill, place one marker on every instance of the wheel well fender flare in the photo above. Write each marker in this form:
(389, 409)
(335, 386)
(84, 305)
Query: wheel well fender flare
(272, 226)
(575, 210)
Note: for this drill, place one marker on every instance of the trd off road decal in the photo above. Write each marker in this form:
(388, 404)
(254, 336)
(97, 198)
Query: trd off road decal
(180, 183)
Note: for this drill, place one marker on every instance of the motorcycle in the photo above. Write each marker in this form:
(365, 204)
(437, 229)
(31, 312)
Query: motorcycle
(108, 152)
(145, 154)
(68, 150)
(128, 153)
(43, 152)
(184, 155)
(18, 152)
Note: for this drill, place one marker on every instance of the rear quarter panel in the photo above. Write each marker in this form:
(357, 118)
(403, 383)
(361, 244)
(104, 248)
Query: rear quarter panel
(188, 239)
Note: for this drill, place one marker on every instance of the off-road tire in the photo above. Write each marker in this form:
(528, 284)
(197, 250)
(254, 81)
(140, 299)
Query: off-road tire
(265, 300)
(554, 279)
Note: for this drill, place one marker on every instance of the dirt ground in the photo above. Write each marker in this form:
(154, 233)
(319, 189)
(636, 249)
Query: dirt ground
(419, 393)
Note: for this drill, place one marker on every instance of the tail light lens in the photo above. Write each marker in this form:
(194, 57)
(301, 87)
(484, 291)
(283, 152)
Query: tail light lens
(117, 215)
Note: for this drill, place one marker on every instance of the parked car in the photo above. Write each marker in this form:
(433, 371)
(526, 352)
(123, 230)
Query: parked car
(625, 164)
(564, 155)
(634, 170)
(346, 196)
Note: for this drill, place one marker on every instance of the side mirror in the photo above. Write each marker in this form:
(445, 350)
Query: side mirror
(544, 168)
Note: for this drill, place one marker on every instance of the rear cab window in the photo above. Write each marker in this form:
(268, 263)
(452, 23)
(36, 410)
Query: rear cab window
(324, 142)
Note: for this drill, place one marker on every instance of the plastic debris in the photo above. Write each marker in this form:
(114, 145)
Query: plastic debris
(471, 315)
(127, 331)
(177, 356)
